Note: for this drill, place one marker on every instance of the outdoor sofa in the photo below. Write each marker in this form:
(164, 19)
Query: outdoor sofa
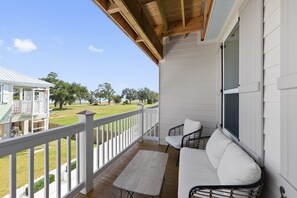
(220, 168)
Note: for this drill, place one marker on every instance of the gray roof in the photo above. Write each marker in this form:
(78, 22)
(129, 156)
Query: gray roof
(11, 77)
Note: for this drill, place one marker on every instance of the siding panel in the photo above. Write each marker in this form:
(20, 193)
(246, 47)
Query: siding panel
(188, 84)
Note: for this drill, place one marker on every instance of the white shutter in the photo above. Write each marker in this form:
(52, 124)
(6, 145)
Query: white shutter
(250, 78)
(5, 97)
(287, 84)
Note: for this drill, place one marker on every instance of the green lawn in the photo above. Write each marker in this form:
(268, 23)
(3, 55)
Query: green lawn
(65, 116)
(22, 164)
(68, 115)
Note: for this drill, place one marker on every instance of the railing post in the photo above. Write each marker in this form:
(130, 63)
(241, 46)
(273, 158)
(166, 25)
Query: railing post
(86, 150)
(141, 107)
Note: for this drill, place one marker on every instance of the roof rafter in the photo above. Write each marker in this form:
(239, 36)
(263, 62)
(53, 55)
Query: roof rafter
(208, 5)
(162, 13)
(177, 28)
(182, 2)
(133, 12)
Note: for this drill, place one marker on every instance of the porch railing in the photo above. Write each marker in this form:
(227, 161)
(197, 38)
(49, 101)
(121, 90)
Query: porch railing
(25, 107)
(97, 143)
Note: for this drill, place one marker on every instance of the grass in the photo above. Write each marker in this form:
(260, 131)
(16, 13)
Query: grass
(68, 115)
(22, 164)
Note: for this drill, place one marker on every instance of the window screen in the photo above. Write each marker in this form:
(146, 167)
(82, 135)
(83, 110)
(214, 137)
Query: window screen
(231, 60)
(232, 113)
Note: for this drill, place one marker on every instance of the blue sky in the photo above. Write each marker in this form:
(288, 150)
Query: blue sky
(74, 39)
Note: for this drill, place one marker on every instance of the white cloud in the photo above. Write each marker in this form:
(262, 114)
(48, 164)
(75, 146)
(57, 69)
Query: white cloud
(24, 46)
(94, 49)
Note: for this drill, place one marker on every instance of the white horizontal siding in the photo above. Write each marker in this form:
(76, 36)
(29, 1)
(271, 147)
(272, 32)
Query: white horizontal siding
(188, 84)
(271, 95)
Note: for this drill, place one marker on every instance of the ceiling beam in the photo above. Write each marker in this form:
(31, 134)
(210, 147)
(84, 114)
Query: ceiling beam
(162, 13)
(182, 2)
(206, 16)
(146, 1)
(177, 27)
(113, 8)
(133, 12)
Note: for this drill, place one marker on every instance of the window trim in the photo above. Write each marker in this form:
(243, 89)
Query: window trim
(228, 91)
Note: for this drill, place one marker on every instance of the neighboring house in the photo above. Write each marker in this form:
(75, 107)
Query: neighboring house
(24, 104)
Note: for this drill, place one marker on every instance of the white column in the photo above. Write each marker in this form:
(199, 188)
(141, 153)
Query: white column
(86, 150)
(25, 127)
(7, 130)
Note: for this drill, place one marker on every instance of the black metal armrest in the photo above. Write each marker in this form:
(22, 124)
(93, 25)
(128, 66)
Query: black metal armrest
(244, 191)
(177, 130)
(192, 140)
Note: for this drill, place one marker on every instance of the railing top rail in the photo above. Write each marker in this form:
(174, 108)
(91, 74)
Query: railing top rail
(153, 107)
(17, 144)
(106, 120)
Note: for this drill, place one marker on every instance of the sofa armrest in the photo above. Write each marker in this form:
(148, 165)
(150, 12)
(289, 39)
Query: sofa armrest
(249, 191)
(177, 130)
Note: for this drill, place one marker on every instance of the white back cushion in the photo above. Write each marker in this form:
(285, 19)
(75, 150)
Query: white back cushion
(237, 167)
(216, 146)
(191, 126)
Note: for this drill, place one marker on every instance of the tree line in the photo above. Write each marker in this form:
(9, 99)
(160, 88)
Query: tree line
(64, 93)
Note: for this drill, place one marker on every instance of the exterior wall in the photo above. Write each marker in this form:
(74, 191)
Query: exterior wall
(188, 84)
(6, 109)
(272, 95)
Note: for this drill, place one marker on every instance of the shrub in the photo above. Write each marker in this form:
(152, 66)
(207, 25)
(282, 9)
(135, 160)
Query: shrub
(72, 166)
(125, 102)
(40, 184)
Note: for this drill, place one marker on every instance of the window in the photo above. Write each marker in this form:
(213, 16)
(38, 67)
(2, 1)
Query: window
(231, 82)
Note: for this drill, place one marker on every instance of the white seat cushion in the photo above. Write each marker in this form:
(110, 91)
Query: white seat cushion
(191, 126)
(216, 146)
(237, 167)
(195, 169)
(174, 141)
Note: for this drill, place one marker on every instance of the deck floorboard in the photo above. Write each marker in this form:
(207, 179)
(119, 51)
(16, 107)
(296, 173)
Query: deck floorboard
(103, 187)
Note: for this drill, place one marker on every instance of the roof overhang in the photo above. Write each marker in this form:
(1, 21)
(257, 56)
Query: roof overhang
(147, 22)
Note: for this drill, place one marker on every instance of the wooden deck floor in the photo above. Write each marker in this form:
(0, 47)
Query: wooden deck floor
(103, 183)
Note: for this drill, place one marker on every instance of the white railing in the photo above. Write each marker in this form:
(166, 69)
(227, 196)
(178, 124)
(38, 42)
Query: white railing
(151, 123)
(25, 107)
(98, 143)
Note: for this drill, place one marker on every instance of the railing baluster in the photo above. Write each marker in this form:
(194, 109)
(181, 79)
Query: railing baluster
(103, 146)
(68, 163)
(46, 170)
(97, 146)
(13, 175)
(124, 133)
(151, 122)
(107, 141)
(121, 137)
(130, 130)
(31, 172)
(116, 137)
(58, 170)
(155, 123)
(77, 159)
(111, 139)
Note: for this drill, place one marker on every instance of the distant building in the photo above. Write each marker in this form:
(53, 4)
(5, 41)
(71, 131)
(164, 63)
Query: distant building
(24, 104)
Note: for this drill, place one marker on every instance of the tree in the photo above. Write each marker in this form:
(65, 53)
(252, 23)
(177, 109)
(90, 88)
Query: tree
(108, 92)
(62, 93)
(91, 98)
(143, 94)
(129, 94)
(153, 97)
(81, 92)
(99, 93)
(117, 99)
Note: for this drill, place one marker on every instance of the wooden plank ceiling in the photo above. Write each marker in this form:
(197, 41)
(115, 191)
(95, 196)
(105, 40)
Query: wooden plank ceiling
(146, 22)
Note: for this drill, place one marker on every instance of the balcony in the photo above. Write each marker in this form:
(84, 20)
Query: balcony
(98, 149)
(25, 107)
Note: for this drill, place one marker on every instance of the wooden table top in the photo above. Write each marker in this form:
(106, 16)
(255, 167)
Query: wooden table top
(144, 174)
